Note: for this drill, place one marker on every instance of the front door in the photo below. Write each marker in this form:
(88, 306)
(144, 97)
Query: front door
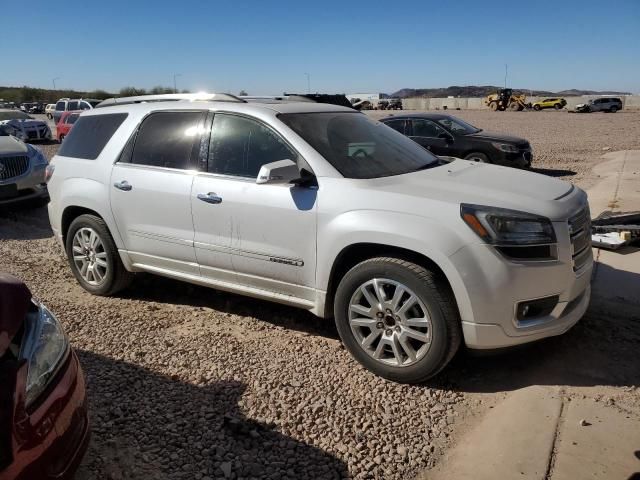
(264, 234)
(151, 191)
(431, 136)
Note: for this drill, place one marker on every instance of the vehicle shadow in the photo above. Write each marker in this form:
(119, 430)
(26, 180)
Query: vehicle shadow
(158, 289)
(553, 172)
(24, 221)
(147, 425)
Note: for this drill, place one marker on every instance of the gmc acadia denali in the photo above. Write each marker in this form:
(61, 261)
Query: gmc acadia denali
(320, 207)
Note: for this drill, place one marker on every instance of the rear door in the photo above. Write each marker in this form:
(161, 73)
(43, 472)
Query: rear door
(258, 236)
(151, 189)
(430, 135)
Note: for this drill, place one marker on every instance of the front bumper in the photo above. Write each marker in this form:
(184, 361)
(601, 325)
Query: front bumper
(28, 186)
(496, 285)
(58, 430)
(522, 159)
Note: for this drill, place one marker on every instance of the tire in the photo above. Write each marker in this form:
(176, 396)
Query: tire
(493, 106)
(114, 276)
(613, 109)
(433, 300)
(61, 139)
(514, 106)
(557, 106)
(478, 157)
(537, 108)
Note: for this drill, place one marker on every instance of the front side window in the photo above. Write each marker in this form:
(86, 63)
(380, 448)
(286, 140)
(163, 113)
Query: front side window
(240, 146)
(426, 128)
(84, 106)
(458, 126)
(60, 106)
(90, 134)
(166, 139)
(357, 146)
(72, 105)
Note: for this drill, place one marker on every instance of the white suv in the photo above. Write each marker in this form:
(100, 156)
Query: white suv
(320, 207)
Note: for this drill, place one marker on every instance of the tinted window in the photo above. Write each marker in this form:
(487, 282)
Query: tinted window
(240, 146)
(72, 106)
(90, 135)
(397, 125)
(71, 119)
(60, 106)
(426, 128)
(166, 139)
(84, 106)
(357, 146)
(14, 114)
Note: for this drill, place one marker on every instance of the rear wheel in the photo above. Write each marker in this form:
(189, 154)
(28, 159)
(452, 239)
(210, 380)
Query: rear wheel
(613, 109)
(94, 258)
(397, 318)
(478, 157)
(557, 106)
(514, 106)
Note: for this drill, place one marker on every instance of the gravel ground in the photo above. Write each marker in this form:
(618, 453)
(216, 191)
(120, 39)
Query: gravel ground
(565, 145)
(187, 382)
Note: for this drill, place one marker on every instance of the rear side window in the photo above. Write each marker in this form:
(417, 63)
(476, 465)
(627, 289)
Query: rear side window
(71, 119)
(397, 125)
(241, 146)
(87, 139)
(84, 106)
(72, 106)
(167, 139)
(60, 106)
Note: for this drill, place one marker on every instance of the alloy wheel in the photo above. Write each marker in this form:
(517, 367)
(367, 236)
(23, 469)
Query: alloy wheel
(89, 256)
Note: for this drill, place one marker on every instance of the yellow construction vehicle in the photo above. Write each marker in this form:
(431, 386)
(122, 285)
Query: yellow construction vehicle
(504, 99)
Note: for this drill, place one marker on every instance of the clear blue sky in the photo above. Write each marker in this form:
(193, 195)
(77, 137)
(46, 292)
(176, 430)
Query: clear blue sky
(266, 47)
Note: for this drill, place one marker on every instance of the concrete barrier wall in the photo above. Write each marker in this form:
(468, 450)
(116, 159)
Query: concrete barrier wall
(631, 102)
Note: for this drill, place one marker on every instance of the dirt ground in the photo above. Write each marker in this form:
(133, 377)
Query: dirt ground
(188, 382)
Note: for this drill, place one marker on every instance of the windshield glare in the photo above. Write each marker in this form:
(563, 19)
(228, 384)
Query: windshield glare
(357, 146)
(458, 126)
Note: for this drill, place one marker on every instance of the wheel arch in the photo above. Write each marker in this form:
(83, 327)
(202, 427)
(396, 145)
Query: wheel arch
(355, 253)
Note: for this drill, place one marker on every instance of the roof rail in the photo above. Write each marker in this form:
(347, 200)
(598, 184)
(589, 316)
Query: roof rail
(168, 97)
(276, 98)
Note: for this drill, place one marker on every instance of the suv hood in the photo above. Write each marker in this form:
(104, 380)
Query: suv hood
(462, 181)
(15, 300)
(10, 144)
(497, 137)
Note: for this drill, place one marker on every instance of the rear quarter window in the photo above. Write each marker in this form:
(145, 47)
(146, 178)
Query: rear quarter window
(90, 134)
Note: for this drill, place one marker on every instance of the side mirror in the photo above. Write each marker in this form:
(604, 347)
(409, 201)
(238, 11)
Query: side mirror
(446, 136)
(280, 172)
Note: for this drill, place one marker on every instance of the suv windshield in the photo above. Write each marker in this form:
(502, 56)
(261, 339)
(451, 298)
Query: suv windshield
(458, 126)
(14, 115)
(357, 146)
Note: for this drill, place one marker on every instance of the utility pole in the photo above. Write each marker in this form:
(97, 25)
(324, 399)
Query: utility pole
(506, 69)
(175, 86)
(54, 82)
(308, 83)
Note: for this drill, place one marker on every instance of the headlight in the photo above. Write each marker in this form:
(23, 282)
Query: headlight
(44, 348)
(502, 227)
(505, 147)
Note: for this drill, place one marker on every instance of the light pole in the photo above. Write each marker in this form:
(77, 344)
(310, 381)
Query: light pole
(54, 82)
(506, 67)
(175, 87)
(308, 83)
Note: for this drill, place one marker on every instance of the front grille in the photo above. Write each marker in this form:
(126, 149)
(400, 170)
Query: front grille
(13, 166)
(580, 234)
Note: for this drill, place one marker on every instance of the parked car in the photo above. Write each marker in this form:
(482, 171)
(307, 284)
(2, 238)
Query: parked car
(22, 171)
(557, 103)
(67, 104)
(49, 109)
(450, 136)
(320, 207)
(395, 104)
(63, 127)
(24, 126)
(605, 104)
(44, 428)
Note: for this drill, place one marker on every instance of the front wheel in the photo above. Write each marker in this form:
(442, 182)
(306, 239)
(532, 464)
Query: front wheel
(557, 106)
(94, 258)
(398, 319)
(537, 108)
(478, 157)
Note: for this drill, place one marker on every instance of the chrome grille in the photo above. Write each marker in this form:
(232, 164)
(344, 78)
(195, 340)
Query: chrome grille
(13, 166)
(580, 234)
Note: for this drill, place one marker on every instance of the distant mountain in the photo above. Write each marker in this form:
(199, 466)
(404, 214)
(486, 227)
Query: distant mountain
(482, 91)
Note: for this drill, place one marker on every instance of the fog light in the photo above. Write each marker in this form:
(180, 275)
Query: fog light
(536, 308)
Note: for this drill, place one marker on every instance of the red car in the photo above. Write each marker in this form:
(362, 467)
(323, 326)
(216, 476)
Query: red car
(44, 428)
(63, 127)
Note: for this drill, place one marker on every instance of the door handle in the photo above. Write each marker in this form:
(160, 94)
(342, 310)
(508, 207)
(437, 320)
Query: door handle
(210, 198)
(123, 185)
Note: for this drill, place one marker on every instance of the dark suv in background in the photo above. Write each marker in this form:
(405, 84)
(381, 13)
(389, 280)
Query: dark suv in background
(604, 104)
(446, 135)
